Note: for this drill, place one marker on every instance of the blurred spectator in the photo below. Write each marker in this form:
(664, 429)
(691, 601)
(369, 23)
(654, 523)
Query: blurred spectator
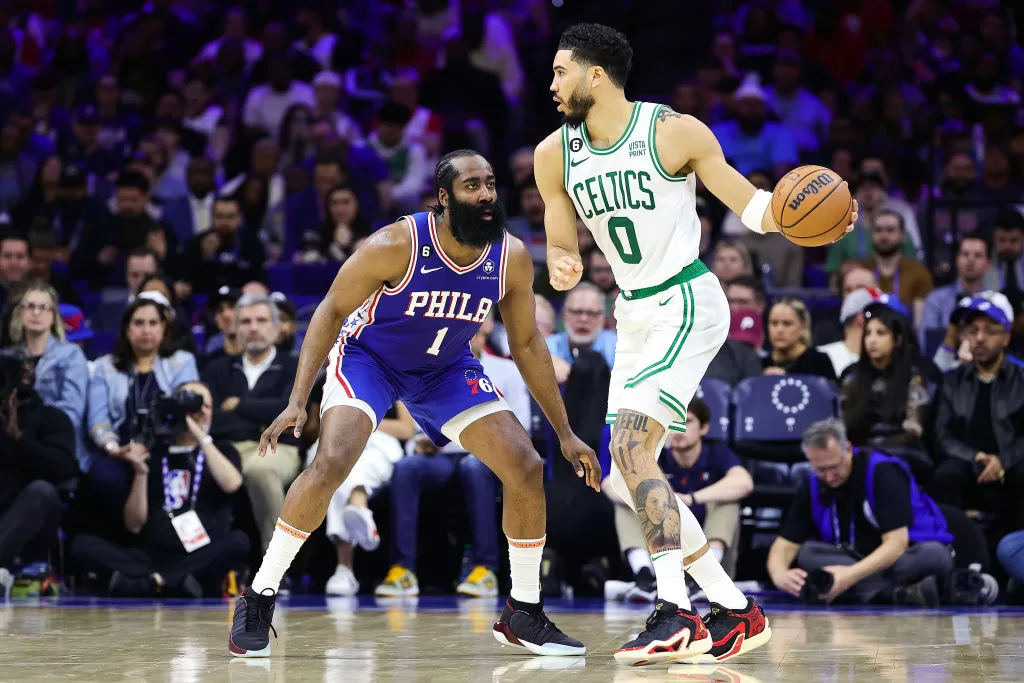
(789, 331)
(14, 261)
(425, 127)
(127, 225)
(235, 29)
(959, 182)
(122, 386)
(368, 80)
(339, 233)
(522, 165)
(896, 272)
(349, 519)
(45, 251)
(188, 559)
(295, 136)
(61, 370)
(583, 317)
(738, 358)
(846, 351)
(545, 316)
(266, 104)
(230, 253)
(876, 166)
(316, 40)
(785, 259)
(161, 290)
(870, 193)
(204, 121)
(407, 161)
(140, 264)
(997, 184)
(287, 344)
(861, 526)
(327, 90)
(753, 142)
(972, 262)
(980, 420)
(248, 393)
(806, 117)
(80, 145)
(599, 272)
(695, 469)
(730, 260)
(16, 168)
(15, 77)
(226, 341)
(490, 43)
(37, 454)
(746, 327)
(885, 397)
(1009, 257)
(531, 221)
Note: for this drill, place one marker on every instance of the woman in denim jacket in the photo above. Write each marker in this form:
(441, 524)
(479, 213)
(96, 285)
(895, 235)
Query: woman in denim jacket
(142, 366)
(62, 372)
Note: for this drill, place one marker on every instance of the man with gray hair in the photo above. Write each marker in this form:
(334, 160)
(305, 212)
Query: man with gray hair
(248, 393)
(860, 527)
(583, 316)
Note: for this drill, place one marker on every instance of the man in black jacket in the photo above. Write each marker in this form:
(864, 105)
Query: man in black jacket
(37, 452)
(980, 419)
(248, 393)
(227, 254)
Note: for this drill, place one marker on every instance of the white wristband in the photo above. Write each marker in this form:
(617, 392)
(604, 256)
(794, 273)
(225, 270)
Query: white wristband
(207, 440)
(753, 215)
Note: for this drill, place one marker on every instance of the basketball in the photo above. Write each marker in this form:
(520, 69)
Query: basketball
(811, 206)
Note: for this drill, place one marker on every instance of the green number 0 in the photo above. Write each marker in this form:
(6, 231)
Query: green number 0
(633, 255)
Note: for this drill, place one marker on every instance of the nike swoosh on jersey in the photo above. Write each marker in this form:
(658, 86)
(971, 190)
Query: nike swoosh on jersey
(574, 164)
(662, 303)
(424, 270)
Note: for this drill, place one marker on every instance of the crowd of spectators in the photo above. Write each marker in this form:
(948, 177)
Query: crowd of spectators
(179, 182)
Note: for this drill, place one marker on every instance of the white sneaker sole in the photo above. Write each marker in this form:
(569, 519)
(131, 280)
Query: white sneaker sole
(643, 657)
(396, 593)
(247, 654)
(359, 528)
(547, 649)
(471, 591)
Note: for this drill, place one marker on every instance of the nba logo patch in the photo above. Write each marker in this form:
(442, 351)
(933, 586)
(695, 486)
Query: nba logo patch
(576, 145)
(488, 266)
(177, 488)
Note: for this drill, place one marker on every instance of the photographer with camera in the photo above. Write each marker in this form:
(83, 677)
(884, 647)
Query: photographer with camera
(37, 453)
(860, 529)
(178, 510)
(142, 366)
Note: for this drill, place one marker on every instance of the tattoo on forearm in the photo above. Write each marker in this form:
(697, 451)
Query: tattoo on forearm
(658, 512)
(667, 113)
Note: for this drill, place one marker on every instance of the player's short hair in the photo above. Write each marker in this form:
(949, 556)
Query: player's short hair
(445, 173)
(599, 45)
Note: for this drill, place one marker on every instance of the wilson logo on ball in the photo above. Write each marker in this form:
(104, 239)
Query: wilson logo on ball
(816, 185)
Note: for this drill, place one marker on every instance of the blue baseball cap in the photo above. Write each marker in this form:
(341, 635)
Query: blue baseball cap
(75, 329)
(859, 299)
(995, 305)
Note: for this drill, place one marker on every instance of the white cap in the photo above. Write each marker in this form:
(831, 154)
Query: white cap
(327, 78)
(750, 87)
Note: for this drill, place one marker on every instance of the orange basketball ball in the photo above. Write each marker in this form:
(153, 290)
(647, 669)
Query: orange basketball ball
(811, 206)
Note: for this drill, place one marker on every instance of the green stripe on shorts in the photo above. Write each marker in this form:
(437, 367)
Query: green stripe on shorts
(673, 403)
(689, 306)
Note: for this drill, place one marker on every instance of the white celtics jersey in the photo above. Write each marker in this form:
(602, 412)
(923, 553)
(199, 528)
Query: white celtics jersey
(643, 218)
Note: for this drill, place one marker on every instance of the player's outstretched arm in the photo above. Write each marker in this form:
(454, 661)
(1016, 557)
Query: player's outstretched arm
(533, 359)
(565, 267)
(384, 257)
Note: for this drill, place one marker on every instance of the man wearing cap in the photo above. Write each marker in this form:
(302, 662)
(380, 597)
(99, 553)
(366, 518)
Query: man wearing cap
(972, 261)
(751, 141)
(225, 342)
(980, 418)
(956, 348)
(846, 352)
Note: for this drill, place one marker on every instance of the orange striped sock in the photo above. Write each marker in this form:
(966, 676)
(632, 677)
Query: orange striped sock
(284, 545)
(524, 555)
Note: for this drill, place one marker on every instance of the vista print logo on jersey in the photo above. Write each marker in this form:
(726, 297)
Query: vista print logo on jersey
(637, 148)
(477, 384)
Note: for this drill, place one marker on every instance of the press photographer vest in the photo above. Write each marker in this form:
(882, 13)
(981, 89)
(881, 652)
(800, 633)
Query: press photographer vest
(929, 523)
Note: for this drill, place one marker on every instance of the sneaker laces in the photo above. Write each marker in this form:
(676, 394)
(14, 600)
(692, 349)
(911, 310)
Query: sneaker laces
(257, 612)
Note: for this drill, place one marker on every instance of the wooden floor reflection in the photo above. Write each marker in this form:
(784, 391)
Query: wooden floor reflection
(336, 641)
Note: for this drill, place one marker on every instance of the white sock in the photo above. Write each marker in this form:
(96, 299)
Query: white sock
(638, 558)
(284, 544)
(668, 568)
(524, 556)
(715, 583)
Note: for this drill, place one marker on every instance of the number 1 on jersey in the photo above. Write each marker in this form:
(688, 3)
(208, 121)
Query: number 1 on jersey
(633, 255)
(435, 348)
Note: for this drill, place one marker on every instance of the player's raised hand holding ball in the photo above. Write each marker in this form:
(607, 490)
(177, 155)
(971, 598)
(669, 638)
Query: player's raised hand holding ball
(812, 206)
(565, 271)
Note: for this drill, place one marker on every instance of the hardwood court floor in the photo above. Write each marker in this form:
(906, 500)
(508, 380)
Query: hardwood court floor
(439, 639)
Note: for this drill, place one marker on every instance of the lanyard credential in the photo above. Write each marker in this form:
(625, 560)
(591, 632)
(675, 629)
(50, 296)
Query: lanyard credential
(835, 525)
(197, 479)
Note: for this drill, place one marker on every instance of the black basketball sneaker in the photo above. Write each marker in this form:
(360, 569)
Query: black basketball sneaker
(526, 625)
(250, 631)
(672, 634)
(735, 631)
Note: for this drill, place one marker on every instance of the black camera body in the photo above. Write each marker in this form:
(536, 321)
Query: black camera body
(164, 420)
(12, 369)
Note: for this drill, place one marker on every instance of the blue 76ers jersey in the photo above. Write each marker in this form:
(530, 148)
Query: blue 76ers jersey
(426, 321)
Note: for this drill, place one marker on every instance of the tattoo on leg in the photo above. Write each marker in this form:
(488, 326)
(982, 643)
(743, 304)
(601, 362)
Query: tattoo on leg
(625, 445)
(658, 513)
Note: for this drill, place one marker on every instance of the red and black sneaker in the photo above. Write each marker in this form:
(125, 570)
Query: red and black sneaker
(671, 634)
(735, 631)
(525, 625)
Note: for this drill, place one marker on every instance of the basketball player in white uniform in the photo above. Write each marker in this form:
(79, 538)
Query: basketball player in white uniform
(628, 170)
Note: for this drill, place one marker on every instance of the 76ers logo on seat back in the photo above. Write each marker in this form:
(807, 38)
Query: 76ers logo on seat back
(476, 383)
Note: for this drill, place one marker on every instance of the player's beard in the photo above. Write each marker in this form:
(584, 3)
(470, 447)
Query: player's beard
(577, 107)
(469, 226)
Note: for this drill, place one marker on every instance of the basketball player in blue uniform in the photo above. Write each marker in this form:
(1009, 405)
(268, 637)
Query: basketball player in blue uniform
(411, 299)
